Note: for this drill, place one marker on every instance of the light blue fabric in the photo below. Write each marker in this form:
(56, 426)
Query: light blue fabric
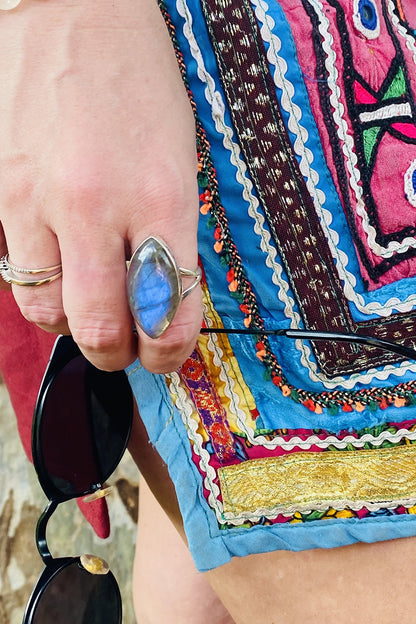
(210, 543)
(211, 546)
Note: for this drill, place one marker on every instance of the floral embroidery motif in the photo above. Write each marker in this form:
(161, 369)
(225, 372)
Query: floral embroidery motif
(241, 289)
(237, 487)
(211, 411)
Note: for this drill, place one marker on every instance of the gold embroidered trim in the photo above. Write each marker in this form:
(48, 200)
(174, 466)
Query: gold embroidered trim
(376, 478)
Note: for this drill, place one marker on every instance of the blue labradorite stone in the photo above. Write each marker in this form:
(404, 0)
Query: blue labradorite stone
(153, 287)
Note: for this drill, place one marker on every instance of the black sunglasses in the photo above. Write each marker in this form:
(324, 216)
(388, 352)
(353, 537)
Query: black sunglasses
(82, 423)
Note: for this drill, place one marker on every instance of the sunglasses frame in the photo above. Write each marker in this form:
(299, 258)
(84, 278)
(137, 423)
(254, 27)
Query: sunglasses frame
(51, 570)
(63, 352)
(60, 357)
(311, 334)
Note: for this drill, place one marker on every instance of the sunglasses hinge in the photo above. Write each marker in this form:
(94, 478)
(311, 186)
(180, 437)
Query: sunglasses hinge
(41, 541)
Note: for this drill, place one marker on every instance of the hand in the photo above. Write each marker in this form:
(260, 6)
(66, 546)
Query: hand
(98, 152)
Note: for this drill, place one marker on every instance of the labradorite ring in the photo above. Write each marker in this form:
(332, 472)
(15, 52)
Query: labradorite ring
(155, 286)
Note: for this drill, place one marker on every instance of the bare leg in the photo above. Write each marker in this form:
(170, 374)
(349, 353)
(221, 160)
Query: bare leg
(364, 583)
(167, 587)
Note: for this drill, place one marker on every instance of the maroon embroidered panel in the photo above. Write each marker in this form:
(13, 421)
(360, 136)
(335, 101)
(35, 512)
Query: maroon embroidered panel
(282, 191)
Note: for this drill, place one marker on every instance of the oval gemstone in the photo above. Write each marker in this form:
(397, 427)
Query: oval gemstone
(153, 286)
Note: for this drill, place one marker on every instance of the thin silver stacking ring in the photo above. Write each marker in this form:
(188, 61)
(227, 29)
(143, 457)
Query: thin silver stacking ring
(8, 272)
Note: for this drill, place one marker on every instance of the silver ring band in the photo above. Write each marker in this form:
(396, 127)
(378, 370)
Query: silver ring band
(195, 275)
(15, 269)
(8, 272)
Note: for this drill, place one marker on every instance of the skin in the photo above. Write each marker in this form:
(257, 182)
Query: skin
(97, 153)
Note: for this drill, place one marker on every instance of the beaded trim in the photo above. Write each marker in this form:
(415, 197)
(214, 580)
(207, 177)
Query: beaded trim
(232, 463)
(286, 202)
(240, 288)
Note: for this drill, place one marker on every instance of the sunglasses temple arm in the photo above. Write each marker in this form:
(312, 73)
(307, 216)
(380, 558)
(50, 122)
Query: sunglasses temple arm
(41, 542)
(309, 334)
(368, 341)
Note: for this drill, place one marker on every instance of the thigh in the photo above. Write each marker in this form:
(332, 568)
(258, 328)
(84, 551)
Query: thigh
(167, 587)
(362, 583)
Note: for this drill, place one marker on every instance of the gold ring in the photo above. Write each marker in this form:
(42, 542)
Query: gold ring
(8, 272)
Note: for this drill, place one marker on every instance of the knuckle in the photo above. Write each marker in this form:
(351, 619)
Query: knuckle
(105, 348)
(75, 183)
(157, 186)
(171, 351)
(17, 180)
(42, 314)
(99, 339)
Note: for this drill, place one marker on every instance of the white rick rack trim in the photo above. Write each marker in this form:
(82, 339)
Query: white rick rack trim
(331, 440)
(290, 510)
(311, 176)
(217, 105)
(296, 441)
(401, 31)
(218, 115)
(348, 143)
(224, 375)
(186, 408)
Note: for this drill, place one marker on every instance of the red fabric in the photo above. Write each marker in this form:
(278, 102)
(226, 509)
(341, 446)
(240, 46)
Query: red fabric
(24, 354)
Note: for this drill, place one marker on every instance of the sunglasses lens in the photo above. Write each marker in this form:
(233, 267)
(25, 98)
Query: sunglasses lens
(74, 596)
(81, 428)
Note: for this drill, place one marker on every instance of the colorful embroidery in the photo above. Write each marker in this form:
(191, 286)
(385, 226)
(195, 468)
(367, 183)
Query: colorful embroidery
(366, 19)
(410, 184)
(240, 288)
(368, 115)
(292, 98)
(252, 475)
(294, 475)
(286, 202)
(307, 482)
(210, 409)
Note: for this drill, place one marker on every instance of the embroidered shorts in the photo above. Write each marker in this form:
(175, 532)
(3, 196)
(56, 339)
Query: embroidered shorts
(306, 133)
